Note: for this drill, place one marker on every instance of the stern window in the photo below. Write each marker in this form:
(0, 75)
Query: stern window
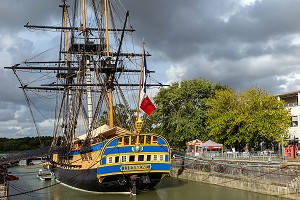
(131, 158)
(133, 140)
(126, 140)
(148, 139)
(154, 139)
(148, 157)
(110, 160)
(124, 158)
(155, 157)
(162, 157)
(116, 159)
(120, 141)
(141, 139)
(141, 158)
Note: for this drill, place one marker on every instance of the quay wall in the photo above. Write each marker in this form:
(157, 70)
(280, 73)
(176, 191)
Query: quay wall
(3, 188)
(3, 192)
(282, 180)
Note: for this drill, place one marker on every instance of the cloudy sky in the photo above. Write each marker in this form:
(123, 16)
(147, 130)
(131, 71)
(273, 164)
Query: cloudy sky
(240, 43)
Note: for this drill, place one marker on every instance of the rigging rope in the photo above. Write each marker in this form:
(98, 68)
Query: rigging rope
(29, 105)
(59, 182)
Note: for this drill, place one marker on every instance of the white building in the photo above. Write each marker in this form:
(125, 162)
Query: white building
(292, 101)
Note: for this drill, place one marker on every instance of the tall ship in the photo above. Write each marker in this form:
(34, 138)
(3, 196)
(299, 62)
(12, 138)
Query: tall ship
(96, 84)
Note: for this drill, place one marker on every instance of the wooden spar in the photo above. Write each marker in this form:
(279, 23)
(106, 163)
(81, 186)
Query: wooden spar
(141, 82)
(83, 16)
(58, 28)
(73, 69)
(67, 63)
(86, 61)
(110, 78)
(106, 27)
(67, 59)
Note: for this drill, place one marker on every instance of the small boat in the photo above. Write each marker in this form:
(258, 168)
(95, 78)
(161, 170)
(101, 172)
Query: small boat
(45, 174)
(47, 165)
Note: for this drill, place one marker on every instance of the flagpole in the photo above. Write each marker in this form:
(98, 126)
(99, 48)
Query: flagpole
(141, 82)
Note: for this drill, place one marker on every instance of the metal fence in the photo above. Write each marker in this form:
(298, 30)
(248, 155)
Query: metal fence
(249, 156)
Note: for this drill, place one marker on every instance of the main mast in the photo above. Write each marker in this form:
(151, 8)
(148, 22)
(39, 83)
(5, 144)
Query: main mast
(110, 78)
(86, 62)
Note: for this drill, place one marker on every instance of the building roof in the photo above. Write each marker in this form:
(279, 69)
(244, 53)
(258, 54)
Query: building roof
(289, 94)
(211, 145)
(194, 142)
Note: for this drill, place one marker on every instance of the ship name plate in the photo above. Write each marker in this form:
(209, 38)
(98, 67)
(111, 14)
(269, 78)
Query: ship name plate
(143, 167)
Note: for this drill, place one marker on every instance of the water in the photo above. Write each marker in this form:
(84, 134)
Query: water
(168, 189)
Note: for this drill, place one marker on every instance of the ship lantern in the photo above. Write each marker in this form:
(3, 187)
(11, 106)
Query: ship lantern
(139, 125)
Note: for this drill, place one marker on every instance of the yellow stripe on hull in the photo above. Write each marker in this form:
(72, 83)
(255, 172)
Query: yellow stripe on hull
(164, 173)
(85, 161)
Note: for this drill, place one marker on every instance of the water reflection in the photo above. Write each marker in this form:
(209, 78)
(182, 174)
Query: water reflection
(168, 189)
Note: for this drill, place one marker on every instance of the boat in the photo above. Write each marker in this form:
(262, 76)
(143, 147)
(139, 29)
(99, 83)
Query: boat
(47, 165)
(46, 174)
(96, 85)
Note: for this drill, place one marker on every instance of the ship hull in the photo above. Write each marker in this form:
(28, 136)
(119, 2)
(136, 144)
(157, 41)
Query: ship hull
(87, 180)
(114, 165)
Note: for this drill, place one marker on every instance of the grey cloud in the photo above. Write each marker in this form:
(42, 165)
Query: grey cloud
(17, 13)
(217, 40)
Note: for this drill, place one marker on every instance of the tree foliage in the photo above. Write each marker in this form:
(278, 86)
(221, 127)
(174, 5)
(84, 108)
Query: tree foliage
(180, 113)
(249, 117)
(122, 117)
(22, 144)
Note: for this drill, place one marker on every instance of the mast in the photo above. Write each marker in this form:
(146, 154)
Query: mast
(86, 62)
(69, 118)
(141, 82)
(110, 78)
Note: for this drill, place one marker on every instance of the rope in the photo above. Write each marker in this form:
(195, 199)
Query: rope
(29, 105)
(59, 182)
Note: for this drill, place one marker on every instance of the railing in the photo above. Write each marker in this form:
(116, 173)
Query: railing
(246, 156)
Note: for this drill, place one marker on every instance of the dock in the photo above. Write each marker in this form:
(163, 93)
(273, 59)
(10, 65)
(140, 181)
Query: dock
(3, 185)
(3, 192)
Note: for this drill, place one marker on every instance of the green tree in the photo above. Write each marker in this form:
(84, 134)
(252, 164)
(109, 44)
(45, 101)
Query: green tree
(249, 117)
(21, 144)
(149, 123)
(122, 117)
(180, 113)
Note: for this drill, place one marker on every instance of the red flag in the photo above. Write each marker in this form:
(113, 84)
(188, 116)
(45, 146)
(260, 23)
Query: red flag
(147, 106)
